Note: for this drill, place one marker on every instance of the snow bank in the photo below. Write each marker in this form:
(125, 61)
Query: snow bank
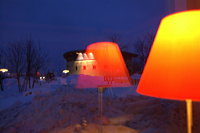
(93, 128)
(57, 107)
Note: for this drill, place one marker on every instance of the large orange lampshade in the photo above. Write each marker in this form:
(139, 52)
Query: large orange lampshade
(172, 70)
(106, 69)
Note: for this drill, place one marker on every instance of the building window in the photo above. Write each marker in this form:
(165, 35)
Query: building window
(76, 68)
(84, 67)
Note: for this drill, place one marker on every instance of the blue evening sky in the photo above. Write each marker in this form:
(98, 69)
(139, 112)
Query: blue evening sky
(64, 25)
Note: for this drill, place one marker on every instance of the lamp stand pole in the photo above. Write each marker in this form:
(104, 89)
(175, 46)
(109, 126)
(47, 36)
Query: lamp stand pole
(189, 115)
(100, 100)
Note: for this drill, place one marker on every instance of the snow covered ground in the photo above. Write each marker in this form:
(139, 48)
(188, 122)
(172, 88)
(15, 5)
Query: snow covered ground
(59, 108)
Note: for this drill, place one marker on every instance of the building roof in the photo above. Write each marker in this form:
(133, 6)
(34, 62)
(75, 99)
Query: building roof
(72, 55)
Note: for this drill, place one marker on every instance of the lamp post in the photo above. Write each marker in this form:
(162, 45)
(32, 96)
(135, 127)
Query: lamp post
(173, 67)
(108, 70)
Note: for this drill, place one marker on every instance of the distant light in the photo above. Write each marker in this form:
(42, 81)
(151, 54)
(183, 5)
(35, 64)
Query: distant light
(42, 78)
(3, 70)
(65, 71)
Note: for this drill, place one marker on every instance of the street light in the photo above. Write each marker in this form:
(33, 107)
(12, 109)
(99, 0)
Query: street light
(65, 71)
(3, 70)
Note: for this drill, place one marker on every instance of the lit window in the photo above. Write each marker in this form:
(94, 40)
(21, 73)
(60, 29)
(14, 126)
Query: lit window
(84, 67)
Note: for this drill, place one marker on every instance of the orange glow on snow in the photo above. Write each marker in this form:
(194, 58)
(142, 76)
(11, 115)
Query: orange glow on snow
(109, 70)
(172, 70)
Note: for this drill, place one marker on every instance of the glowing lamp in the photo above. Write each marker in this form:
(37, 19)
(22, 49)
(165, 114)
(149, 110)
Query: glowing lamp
(108, 69)
(65, 71)
(3, 70)
(173, 66)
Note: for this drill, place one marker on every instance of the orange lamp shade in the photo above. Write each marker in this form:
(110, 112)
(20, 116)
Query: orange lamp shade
(172, 70)
(108, 67)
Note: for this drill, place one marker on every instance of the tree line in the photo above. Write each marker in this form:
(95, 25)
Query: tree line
(24, 59)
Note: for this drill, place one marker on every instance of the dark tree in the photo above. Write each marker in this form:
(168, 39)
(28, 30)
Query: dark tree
(29, 60)
(15, 59)
(39, 63)
(142, 47)
(35, 60)
(1, 81)
(2, 63)
(117, 39)
(1, 56)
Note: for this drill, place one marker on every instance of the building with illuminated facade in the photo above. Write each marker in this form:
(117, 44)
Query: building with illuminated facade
(79, 62)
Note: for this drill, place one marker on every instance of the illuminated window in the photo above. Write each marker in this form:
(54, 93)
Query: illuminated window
(84, 67)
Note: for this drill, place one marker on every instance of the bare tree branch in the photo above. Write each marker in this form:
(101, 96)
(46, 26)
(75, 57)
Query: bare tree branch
(35, 61)
(116, 39)
(15, 58)
(143, 46)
